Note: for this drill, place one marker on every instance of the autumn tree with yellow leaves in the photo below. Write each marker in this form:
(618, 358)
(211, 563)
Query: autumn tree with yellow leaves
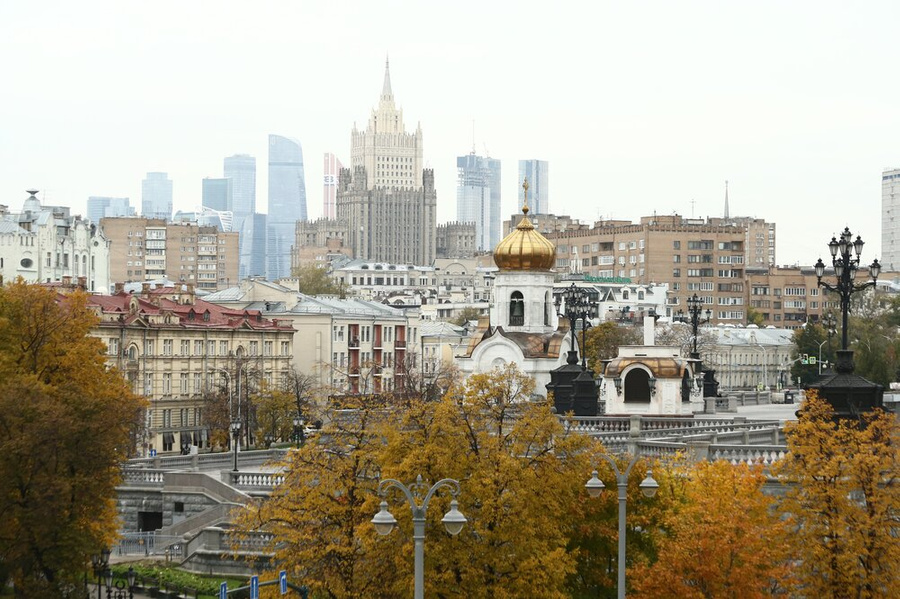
(723, 539)
(843, 502)
(65, 429)
(521, 477)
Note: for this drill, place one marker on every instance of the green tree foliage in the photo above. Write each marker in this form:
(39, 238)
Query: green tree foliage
(842, 502)
(315, 281)
(65, 425)
(806, 341)
(754, 316)
(465, 316)
(603, 341)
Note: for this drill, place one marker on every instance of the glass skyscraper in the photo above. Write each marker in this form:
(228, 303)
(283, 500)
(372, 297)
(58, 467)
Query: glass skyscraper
(538, 174)
(241, 169)
(156, 196)
(287, 202)
(478, 198)
(218, 194)
(104, 207)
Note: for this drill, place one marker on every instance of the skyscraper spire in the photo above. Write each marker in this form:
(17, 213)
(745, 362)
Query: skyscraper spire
(386, 93)
(726, 200)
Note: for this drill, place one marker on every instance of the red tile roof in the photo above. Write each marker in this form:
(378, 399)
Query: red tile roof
(219, 316)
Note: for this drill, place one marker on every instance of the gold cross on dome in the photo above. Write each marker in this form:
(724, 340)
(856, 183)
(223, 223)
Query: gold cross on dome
(525, 187)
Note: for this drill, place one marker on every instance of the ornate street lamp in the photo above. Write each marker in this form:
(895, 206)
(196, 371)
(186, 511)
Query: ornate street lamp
(648, 487)
(99, 563)
(846, 265)
(576, 306)
(574, 388)
(384, 520)
(849, 394)
(117, 589)
(696, 317)
(695, 313)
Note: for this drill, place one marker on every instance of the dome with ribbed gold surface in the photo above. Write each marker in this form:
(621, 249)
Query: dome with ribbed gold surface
(525, 248)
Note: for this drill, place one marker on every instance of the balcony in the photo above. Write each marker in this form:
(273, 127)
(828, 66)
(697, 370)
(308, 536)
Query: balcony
(354, 343)
(516, 321)
(400, 344)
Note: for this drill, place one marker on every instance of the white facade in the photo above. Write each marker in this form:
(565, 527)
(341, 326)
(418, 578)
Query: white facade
(46, 244)
(651, 380)
(523, 329)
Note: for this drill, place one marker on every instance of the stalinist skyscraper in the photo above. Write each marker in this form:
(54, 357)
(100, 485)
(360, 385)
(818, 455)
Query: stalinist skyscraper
(386, 197)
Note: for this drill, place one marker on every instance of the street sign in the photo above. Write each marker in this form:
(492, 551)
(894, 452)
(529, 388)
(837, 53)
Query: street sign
(223, 590)
(812, 359)
(282, 582)
(152, 453)
(254, 587)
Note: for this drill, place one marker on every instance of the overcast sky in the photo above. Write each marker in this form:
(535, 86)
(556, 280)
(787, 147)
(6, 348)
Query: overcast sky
(639, 107)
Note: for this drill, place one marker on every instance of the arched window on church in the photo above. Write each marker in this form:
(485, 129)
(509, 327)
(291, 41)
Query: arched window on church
(516, 309)
(547, 307)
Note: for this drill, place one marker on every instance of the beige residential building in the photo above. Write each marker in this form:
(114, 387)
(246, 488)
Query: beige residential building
(143, 249)
(692, 257)
(173, 348)
(348, 345)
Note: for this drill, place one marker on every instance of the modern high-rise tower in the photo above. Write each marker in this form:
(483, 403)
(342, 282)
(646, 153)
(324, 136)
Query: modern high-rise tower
(387, 198)
(537, 173)
(218, 194)
(241, 169)
(890, 220)
(156, 196)
(333, 168)
(478, 198)
(104, 207)
(287, 202)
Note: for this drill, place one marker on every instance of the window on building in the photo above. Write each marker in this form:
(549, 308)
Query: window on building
(167, 383)
(516, 309)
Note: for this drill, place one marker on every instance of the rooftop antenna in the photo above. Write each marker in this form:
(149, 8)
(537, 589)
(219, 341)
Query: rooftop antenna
(693, 202)
(726, 199)
(473, 137)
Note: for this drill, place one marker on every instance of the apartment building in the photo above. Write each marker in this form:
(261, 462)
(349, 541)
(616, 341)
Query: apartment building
(173, 348)
(690, 256)
(143, 249)
(348, 345)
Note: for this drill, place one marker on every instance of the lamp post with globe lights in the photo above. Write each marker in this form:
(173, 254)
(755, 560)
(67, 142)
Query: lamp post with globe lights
(384, 521)
(595, 486)
(849, 394)
(846, 265)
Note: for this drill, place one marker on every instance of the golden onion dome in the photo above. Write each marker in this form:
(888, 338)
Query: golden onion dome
(525, 248)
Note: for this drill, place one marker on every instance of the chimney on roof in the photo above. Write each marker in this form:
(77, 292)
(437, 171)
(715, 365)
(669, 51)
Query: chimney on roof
(189, 298)
(145, 289)
(119, 288)
(82, 283)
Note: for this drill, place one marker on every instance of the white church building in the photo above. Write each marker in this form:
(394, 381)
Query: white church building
(522, 327)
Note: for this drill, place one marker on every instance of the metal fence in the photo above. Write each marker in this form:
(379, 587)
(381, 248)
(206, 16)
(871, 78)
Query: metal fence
(147, 544)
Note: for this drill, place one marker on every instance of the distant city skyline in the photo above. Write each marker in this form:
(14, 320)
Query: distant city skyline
(156, 196)
(799, 126)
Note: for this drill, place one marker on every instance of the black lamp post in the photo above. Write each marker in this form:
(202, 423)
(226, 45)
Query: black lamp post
(100, 563)
(848, 393)
(577, 306)
(117, 589)
(573, 387)
(695, 312)
(846, 264)
(235, 435)
(696, 317)
(298, 430)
